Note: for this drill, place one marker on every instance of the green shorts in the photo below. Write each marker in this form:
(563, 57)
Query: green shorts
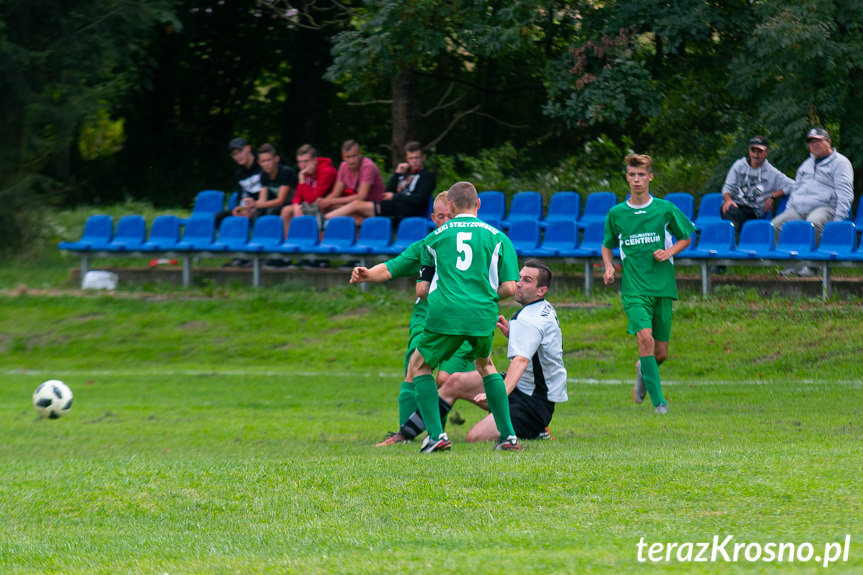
(437, 347)
(649, 312)
(461, 360)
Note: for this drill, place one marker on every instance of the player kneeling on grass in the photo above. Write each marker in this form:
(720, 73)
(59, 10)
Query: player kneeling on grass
(642, 228)
(536, 378)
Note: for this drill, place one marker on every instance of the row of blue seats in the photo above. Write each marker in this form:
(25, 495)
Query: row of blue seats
(562, 206)
(561, 239)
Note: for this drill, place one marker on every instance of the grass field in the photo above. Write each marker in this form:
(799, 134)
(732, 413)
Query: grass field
(234, 435)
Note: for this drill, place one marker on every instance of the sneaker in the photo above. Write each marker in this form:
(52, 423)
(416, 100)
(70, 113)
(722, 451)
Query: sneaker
(235, 263)
(807, 272)
(546, 434)
(442, 443)
(508, 444)
(393, 439)
(661, 409)
(789, 271)
(639, 391)
(273, 263)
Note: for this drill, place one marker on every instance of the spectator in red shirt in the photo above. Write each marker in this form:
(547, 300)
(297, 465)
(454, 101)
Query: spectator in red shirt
(316, 179)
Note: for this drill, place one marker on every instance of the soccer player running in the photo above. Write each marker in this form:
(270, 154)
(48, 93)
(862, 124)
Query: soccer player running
(475, 266)
(642, 228)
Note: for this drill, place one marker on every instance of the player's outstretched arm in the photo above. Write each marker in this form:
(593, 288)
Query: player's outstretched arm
(516, 369)
(379, 273)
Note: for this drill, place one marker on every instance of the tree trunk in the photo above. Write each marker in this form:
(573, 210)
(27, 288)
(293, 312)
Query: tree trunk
(405, 112)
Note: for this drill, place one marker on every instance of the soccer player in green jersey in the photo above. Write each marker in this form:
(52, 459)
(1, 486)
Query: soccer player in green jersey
(642, 228)
(475, 266)
(407, 264)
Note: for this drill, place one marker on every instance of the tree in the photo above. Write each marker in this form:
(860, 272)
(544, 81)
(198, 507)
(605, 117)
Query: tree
(62, 63)
(803, 67)
(450, 60)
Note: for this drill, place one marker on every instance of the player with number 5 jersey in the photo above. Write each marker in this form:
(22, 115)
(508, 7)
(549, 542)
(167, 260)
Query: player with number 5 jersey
(475, 266)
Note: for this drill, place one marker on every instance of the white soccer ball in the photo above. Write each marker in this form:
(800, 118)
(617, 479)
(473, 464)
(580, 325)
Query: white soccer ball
(52, 399)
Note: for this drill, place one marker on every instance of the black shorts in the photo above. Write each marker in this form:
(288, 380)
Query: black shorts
(391, 209)
(530, 415)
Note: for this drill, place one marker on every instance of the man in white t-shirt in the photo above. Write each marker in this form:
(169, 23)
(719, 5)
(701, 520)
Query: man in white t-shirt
(536, 378)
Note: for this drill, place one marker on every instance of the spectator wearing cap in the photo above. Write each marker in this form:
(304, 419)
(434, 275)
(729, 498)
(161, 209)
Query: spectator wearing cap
(247, 177)
(823, 189)
(752, 186)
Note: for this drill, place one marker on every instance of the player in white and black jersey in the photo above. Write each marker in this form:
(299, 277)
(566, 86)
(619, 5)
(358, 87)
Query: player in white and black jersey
(536, 378)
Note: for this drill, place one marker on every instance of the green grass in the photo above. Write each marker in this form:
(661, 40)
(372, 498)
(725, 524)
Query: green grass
(234, 435)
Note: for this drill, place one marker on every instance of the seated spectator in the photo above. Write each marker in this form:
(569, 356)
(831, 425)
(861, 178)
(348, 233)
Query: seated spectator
(247, 177)
(823, 190)
(752, 186)
(277, 183)
(407, 193)
(316, 179)
(358, 179)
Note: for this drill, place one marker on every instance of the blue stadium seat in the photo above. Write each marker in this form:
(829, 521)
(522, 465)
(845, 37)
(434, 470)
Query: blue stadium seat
(756, 241)
(266, 235)
(340, 233)
(838, 242)
(98, 230)
(233, 200)
(208, 202)
(563, 206)
(495, 223)
(796, 241)
(429, 221)
(524, 206)
(688, 249)
(524, 235)
(492, 206)
(130, 235)
(164, 234)
(716, 241)
(303, 235)
(709, 210)
(410, 230)
(591, 241)
(596, 207)
(233, 234)
(560, 240)
(684, 201)
(376, 235)
(198, 235)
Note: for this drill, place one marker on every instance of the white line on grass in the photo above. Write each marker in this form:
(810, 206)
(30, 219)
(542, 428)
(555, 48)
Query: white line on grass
(383, 375)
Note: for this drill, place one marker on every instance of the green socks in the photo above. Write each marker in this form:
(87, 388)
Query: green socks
(407, 401)
(650, 373)
(498, 403)
(427, 398)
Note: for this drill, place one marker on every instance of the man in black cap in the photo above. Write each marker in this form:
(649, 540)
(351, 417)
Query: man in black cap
(823, 190)
(247, 181)
(752, 186)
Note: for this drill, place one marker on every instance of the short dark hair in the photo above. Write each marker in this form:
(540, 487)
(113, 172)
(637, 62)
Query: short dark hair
(463, 195)
(307, 149)
(543, 278)
(267, 149)
(350, 145)
(413, 147)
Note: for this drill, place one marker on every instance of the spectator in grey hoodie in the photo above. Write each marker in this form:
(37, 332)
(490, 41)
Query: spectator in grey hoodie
(823, 189)
(752, 186)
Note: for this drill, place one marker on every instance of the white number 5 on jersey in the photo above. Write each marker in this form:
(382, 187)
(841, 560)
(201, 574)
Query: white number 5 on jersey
(461, 239)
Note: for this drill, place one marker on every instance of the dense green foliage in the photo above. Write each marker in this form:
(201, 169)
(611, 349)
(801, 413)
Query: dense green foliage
(101, 100)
